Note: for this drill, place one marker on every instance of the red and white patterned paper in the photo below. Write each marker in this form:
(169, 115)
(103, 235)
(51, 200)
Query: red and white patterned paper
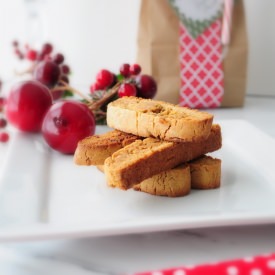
(201, 70)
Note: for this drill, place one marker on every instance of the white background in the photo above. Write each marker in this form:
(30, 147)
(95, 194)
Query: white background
(102, 34)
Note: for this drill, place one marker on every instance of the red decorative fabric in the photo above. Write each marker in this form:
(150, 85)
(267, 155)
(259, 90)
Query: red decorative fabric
(258, 265)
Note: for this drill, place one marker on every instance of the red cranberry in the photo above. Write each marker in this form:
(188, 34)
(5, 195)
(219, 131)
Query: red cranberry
(125, 70)
(94, 87)
(65, 69)
(127, 89)
(31, 55)
(3, 123)
(147, 86)
(4, 137)
(66, 123)
(47, 72)
(58, 58)
(135, 69)
(27, 104)
(47, 48)
(104, 79)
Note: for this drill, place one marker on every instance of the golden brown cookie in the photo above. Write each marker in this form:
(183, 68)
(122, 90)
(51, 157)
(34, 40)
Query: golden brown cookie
(143, 159)
(175, 182)
(151, 118)
(95, 149)
(205, 173)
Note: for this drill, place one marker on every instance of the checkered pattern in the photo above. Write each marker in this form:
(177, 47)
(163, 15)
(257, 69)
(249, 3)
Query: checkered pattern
(201, 69)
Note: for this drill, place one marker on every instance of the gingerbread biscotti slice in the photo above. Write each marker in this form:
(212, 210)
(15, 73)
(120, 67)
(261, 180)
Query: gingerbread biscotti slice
(151, 118)
(143, 159)
(202, 173)
(95, 149)
(175, 182)
(205, 173)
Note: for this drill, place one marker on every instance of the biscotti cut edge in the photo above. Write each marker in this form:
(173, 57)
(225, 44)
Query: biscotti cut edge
(151, 118)
(205, 173)
(93, 150)
(175, 182)
(144, 159)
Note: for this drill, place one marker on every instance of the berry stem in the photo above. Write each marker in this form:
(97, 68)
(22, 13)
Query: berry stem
(65, 87)
(29, 70)
(94, 105)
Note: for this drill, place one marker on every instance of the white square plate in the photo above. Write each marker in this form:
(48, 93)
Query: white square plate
(44, 195)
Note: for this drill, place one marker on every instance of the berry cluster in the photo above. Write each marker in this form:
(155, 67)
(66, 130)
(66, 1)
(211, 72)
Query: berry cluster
(47, 67)
(30, 108)
(129, 82)
(35, 105)
(4, 136)
(132, 82)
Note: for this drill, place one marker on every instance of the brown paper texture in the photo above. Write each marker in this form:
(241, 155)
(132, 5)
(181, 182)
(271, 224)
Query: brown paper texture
(158, 52)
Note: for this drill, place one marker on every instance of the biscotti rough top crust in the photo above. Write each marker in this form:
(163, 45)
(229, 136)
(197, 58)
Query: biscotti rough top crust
(151, 118)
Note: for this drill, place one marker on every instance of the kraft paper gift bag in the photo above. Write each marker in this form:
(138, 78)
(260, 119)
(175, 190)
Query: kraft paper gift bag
(196, 50)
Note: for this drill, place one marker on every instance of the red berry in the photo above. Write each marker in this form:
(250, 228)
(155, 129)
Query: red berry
(31, 55)
(47, 48)
(125, 70)
(47, 72)
(146, 86)
(58, 58)
(127, 89)
(65, 69)
(66, 123)
(3, 123)
(114, 80)
(94, 87)
(135, 69)
(19, 54)
(4, 137)
(15, 43)
(57, 94)
(47, 57)
(42, 56)
(63, 78)
(27, 104)
(2, 103)
(104, 79)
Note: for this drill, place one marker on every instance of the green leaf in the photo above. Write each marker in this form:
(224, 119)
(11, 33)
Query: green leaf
(120, 77)
(67, 93)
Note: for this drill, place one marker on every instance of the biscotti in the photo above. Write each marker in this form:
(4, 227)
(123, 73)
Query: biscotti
(143, 159)
(202, 173)
(175, 182)
(95, 149)
(162, 120)
(205, 173)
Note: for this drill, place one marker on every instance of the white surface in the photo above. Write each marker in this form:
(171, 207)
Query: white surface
(102, 34)
(47, 196)
(149, 251)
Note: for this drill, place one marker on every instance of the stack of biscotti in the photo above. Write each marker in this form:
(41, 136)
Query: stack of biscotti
(156, 147)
